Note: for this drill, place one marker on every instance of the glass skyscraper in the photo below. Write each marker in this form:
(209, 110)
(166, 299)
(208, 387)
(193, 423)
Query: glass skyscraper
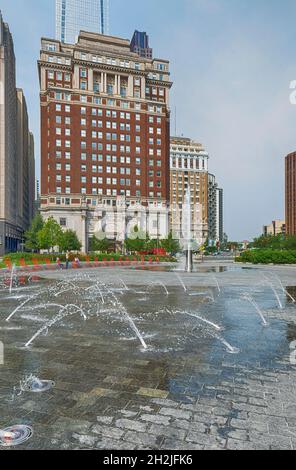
(73, 16)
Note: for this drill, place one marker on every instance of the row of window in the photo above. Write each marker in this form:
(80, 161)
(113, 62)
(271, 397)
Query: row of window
(113, 170)
(99, 157)
(108, 192)
(59, 76)
(101, 60)
(65, 96)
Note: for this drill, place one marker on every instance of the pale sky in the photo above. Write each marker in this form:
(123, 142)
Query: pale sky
(231, 61)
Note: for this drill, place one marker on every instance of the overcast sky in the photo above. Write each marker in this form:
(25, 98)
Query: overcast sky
(231, 61)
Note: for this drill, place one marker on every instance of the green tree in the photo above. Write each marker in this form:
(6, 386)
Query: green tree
(31, 235)
(137, 241)
(50, 235)
(99, 244)
(68, 241)
(170, 244)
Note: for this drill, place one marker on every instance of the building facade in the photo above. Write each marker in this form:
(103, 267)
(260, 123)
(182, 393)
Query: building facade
(140, 44)
(215, 211)
(277, 227)
(105, 133)
(189, 169)
(72, 16)
(290, 193)
(17, 166)
(26, 164)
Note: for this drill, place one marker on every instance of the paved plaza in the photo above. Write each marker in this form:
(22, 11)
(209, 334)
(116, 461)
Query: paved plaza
(212, 375)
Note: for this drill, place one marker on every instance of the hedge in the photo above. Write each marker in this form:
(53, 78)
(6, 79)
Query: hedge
(15, 258)
(268, 256)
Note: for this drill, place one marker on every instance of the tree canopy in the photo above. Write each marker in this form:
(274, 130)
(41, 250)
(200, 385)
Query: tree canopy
(31, 235)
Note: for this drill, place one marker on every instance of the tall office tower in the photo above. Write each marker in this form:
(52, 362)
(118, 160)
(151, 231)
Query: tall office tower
(140, 44)
(215, 211)
(189, 169)
(105, 130)
(73, 16)
(220, 216)
(290, 193)
(16, 165)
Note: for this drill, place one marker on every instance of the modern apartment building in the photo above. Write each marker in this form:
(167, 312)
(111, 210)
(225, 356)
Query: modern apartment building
(290, 193)
(72, 16)
(189, 169)
(140, 44)
(105, 135)
(215, 211)
(16, 152)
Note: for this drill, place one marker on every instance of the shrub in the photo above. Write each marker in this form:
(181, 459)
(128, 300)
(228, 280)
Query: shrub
(268, 256)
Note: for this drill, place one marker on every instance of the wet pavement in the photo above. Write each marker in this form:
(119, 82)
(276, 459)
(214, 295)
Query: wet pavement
(185, 391)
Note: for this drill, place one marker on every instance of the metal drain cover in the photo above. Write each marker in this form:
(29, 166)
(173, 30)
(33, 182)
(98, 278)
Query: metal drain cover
(15, 435)
(38, 386)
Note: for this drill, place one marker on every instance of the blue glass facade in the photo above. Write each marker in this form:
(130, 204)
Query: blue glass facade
(73, 16)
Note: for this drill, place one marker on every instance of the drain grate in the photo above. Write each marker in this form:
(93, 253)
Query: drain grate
(38, 386)
(15, 435)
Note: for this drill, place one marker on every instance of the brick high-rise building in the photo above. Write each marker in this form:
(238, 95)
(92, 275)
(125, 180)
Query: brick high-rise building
(290, 190)
(17, 165)
(105, 135)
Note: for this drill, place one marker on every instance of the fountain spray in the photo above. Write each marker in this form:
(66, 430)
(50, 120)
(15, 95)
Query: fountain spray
(187, 232)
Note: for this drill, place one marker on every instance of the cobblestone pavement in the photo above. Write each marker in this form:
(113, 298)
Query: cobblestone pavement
(185, 392)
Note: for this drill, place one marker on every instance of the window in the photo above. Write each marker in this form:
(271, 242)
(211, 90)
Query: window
(58, 107)
(51, 47)
(83, 110)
